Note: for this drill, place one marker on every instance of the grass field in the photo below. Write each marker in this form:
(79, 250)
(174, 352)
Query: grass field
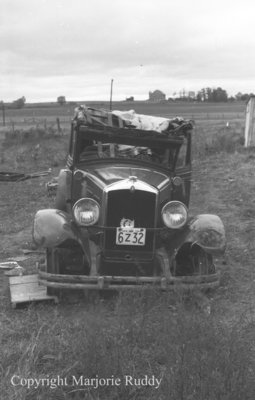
(45, 117)
(201, 346)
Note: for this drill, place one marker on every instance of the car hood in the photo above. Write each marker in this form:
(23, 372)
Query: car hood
(111, 174)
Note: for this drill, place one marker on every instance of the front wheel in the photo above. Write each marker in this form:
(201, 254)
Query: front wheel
(202, 262)
(193, 260)
(68, 259)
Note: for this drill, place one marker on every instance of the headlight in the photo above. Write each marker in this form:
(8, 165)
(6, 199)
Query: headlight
(174, 214)
(86, 212)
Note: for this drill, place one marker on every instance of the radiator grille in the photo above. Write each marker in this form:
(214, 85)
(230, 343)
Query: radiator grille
(138, 206)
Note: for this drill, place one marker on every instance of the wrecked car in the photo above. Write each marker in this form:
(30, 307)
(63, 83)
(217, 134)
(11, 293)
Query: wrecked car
(121, 216)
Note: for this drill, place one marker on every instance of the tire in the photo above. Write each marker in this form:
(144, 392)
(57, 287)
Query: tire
(202, 261)
(193, 260)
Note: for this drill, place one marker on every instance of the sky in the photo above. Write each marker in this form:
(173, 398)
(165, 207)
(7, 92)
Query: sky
(75, 48)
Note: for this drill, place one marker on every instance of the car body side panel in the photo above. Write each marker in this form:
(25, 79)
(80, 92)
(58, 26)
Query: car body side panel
(182, 191)
(64, 189)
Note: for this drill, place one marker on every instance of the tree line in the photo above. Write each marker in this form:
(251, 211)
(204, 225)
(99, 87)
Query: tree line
(212, 95)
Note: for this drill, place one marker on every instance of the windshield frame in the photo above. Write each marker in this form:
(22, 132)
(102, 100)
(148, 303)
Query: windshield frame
(134, 138)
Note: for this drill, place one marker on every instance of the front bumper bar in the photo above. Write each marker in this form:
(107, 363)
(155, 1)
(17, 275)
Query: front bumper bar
(58, 281)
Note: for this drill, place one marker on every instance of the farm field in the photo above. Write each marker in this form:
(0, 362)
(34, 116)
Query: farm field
(44, 116)
(200, 346)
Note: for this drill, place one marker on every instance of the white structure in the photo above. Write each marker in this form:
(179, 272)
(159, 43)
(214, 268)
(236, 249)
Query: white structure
(249, 135)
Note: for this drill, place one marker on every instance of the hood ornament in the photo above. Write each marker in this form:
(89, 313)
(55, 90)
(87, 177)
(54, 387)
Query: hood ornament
(127, 223)
(132, 180)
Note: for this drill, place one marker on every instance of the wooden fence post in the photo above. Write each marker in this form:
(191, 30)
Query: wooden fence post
(58, 125)
(249, 133)
(3, 111)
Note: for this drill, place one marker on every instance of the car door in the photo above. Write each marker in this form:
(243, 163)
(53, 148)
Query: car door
(182, 186)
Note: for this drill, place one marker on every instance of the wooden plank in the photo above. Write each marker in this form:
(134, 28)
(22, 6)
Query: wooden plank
(24, 289)
(99, 121)
(16, 280)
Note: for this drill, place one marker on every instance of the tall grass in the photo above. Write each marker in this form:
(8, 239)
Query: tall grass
(208, 138)
(137, 334)
(198, 355)
(217, 138)
(33, 149)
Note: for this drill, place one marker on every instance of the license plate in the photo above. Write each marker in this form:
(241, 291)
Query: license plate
(131, 236)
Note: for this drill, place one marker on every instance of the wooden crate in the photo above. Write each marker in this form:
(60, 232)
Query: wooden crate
(25, 289)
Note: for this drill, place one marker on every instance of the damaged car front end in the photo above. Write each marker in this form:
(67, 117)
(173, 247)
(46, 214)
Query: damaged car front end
(121, 218)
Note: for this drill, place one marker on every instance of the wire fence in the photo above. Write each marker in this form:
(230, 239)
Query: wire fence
(53, 124)
(60, 124)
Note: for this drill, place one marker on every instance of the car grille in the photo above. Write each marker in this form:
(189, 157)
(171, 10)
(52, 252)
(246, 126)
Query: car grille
(138, 206)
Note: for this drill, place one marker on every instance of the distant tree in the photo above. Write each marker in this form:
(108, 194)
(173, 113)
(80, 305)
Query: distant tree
(245, 96)
(208, 94)
(238, 96)
(248, 96)
(61, 100)
(219, 95)
(131, 98)
(199, 96)
(19, 103)
(231, 99)
(203, 94)
(212, 95)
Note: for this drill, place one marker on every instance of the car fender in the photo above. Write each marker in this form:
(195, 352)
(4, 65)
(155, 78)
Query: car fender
(53, 227)
(206, 230)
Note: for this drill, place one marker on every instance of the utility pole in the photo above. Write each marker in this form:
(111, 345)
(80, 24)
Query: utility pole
(111, 95)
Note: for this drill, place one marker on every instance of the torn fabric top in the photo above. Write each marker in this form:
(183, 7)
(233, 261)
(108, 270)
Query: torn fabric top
(130, 119)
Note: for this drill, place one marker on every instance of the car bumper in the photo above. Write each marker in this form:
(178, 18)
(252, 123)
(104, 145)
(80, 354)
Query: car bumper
(80, 282)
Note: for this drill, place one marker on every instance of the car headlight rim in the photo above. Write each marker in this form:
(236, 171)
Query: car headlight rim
(90, 210)
(171, 221)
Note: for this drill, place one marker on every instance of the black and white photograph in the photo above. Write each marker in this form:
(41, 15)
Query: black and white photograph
(127, 208)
